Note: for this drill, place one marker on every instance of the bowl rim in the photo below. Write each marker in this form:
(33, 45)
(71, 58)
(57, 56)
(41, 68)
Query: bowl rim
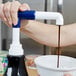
(54, 69)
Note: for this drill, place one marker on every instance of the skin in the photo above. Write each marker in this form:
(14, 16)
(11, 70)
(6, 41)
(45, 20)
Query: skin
(40, 32)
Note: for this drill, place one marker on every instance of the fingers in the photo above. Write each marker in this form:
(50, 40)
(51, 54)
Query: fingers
(9, 10)
(24, 7)
(14, 10)
(2, 16)
(7, 14)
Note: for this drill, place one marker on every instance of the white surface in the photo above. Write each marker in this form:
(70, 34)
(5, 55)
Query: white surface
(47, 65)
(50, 16)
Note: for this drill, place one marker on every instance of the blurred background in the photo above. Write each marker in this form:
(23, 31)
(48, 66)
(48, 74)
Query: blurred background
(29, 45)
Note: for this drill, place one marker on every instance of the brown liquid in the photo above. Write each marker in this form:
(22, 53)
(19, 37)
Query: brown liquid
(58, 48)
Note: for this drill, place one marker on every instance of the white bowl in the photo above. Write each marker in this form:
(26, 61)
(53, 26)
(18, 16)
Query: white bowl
(47, 65)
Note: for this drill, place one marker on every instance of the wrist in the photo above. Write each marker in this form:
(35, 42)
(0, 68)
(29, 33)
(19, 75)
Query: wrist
(25, 24)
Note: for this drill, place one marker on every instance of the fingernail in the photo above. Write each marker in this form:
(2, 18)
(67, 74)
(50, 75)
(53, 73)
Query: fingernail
(23, 8)
(15, 23)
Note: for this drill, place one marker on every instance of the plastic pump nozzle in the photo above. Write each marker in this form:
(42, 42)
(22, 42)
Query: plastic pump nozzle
(40, 15)
(16, 47)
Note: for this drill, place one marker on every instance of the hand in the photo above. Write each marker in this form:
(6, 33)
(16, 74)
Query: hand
(9, 10)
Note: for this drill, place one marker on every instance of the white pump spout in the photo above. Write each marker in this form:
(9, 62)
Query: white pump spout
(16, 47)
(50, 16)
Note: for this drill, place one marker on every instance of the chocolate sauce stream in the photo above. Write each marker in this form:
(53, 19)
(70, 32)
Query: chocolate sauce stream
(58, 48)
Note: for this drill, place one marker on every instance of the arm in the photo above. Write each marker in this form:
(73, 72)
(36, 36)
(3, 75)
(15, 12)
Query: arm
(48, 34)
(42, 33)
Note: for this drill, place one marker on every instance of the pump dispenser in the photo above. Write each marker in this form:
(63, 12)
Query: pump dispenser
(16, 63)
(16, 59)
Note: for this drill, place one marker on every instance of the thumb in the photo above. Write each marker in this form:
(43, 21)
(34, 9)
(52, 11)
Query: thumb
(24, 7)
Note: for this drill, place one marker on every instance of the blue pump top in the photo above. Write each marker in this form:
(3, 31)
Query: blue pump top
(29, 15)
